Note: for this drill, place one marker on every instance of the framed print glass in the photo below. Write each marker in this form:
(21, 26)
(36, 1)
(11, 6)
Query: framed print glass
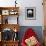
(0, 36)
(5, 19)
(12, 20)
(5, 12)
(30, 13)
(7, 34)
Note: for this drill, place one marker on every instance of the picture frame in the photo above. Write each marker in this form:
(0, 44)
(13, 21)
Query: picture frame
(0, 36)
(0, 19)
(5, 12)
(13, 20)
(13, 12)
(5, 20)
(10, 19)
(7, 34)
(30, 13)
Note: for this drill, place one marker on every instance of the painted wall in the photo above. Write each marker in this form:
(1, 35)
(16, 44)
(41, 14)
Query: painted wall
(25, 3)
(39, 13)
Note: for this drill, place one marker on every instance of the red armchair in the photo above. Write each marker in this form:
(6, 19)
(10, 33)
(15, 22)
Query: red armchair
(28, 35)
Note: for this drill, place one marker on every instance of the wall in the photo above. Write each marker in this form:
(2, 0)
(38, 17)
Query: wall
(39, 13)
(25, 3)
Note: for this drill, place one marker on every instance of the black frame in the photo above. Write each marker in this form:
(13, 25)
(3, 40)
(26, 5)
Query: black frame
(30, 13)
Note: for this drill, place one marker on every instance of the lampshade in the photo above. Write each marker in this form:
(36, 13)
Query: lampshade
(15, 30)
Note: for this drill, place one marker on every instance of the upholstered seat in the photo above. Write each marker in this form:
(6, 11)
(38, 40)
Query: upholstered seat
(29, 36)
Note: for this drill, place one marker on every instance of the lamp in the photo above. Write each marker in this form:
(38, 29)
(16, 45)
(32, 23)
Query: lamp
(15, 3)
(15, 30)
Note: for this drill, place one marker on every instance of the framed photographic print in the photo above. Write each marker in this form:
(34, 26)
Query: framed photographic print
(30, 13)
(0, 36)
(5, 12)
(12, 20)
(5, 20)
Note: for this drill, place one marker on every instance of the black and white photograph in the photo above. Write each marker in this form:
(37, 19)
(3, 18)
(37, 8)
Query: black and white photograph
(30, 13)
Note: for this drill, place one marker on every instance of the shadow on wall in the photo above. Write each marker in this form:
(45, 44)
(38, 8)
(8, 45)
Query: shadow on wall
(37, 29)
